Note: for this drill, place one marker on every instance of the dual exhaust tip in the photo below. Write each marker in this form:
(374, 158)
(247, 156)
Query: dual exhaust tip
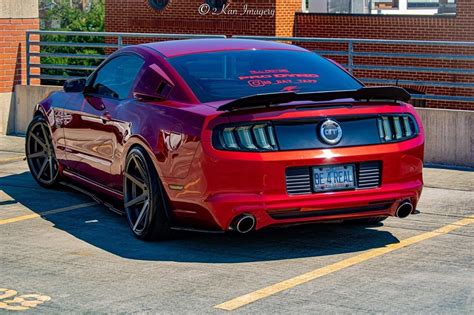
(405, 208)
(243, 224)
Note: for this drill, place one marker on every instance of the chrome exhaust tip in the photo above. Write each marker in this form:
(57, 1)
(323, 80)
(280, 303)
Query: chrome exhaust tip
(243, 224)
(404, 209)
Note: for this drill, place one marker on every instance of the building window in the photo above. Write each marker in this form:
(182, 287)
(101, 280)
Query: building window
(158, 4)
(407, 7)
(384, 4)
(429, 3)
(339, 6)
(423, 3)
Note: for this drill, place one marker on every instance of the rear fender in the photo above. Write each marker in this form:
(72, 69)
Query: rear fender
(137, 140)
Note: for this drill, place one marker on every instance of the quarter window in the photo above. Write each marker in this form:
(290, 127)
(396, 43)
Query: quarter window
(116, 77)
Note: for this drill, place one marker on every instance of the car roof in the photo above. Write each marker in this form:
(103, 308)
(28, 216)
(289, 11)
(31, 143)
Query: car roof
(175, 48)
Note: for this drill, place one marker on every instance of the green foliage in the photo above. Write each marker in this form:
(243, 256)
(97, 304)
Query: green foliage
(73, 18)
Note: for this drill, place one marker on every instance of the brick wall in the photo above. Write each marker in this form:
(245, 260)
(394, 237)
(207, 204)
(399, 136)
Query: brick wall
(182, 16)
(285, 17)
(443, 28)
(13, 51)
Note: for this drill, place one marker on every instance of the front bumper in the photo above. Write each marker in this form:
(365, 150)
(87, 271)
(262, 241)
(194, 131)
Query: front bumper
(222, 185)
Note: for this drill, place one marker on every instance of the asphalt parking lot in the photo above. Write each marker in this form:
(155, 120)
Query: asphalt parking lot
(60, 252)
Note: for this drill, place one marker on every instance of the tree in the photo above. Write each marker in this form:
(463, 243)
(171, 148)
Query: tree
(72, 15)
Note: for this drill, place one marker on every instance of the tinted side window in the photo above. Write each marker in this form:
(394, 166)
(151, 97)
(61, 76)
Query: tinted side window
(115, 78)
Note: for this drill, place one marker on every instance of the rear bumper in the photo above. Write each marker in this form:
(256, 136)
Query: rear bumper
(282, 210)
(222, 185)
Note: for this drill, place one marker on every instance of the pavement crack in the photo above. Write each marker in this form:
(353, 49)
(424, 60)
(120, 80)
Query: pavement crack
(445, 188)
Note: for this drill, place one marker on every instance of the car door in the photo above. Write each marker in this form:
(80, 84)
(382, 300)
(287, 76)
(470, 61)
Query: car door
(93, 134)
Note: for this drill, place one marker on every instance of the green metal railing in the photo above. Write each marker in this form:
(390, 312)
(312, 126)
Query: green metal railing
(116, 41)
(116, 38)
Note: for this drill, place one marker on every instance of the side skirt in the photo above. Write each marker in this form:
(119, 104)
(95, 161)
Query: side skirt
(93, 197)
(94, 185)
(109, 206)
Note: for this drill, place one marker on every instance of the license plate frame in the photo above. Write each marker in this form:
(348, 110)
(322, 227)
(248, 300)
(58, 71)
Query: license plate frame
(321, 174)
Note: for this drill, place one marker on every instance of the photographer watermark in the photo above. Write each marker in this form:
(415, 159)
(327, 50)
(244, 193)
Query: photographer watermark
(206, 9)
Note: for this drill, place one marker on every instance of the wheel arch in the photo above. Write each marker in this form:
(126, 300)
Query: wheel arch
(40, 110)
(38, 113)
(137, 141)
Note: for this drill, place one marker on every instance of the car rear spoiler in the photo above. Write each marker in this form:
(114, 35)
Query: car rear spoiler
(390, 93)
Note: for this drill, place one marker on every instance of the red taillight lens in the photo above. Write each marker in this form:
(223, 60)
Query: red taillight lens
(247, 137)
(397, 127)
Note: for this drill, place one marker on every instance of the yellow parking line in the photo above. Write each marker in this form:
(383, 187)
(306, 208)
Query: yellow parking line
(12, 159)
(40, 214)
(317, 273)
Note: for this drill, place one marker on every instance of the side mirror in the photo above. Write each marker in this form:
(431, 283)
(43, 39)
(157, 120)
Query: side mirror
(74, 85)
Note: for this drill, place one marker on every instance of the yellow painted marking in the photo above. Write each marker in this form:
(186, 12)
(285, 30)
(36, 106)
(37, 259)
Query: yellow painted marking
(7, 293)
(317, 273)
(38, 215)
(20, 303)
(11, 159)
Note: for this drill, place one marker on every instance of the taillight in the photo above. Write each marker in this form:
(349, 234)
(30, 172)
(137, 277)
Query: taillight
(394, 128)
(257, 137)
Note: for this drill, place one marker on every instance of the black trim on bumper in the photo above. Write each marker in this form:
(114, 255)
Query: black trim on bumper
(321, 213)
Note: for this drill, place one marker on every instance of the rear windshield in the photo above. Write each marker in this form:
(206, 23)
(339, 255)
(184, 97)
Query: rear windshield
(227, 75)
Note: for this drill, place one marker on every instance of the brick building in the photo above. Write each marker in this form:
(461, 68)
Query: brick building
(184, 16)
(458, 27)
(260, 17)
(15, 18)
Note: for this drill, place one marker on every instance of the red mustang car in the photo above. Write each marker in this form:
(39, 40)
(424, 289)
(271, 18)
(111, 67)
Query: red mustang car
(228, 134)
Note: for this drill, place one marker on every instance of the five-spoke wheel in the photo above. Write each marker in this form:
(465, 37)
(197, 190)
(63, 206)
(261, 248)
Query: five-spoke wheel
(144, 200)
(40, 153)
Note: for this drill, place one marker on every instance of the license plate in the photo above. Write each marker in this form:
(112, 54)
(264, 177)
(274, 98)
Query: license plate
(333, 177)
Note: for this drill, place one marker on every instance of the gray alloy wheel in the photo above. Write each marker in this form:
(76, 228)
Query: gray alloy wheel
(144, 200)
(40, 153)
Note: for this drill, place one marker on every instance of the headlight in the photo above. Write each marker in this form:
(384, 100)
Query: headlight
(394, 128)
(257, 137)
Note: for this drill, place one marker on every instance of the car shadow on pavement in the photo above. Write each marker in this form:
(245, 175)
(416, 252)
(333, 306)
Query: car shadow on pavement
(108, 231)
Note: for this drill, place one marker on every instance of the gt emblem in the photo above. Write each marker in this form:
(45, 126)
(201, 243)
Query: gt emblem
(330, 132)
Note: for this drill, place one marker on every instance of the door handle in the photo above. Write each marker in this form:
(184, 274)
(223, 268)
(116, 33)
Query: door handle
(105, 117)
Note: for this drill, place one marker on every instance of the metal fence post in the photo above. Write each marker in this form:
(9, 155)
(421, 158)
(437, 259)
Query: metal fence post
(119, 41)
(350, 56)
(28, 58)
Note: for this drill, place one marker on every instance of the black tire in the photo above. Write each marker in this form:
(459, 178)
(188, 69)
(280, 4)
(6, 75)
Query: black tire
(39, 150)
(367, 221)
(145, 202)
